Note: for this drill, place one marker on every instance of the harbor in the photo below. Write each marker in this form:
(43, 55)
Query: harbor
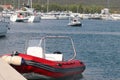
(59, 42)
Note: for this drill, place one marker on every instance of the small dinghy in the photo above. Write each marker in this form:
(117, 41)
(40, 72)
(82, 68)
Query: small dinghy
(75, 21)
(37, 61)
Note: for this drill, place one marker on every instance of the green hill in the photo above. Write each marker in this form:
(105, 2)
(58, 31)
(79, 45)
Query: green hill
(104, 3)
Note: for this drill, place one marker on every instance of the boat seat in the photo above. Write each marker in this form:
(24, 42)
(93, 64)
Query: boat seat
(54, 57)
(35, 51)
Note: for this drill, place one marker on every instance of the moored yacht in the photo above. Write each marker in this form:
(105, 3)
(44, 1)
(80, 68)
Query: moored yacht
(63, 15)
(49, 15)
(27, 15)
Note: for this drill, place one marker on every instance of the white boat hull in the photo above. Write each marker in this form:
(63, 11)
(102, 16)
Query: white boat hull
(75, 24)
(48, 17)
(30, 19)
(34, 19)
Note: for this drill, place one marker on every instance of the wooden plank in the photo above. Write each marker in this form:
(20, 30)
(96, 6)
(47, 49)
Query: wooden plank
(9, 73)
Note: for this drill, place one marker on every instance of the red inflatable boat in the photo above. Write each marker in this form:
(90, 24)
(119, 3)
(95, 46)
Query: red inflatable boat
(37, 62)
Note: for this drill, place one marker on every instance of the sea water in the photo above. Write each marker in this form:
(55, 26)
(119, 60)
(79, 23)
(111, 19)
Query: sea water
(97, 43)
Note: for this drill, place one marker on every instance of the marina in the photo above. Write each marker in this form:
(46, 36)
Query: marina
(59, 40)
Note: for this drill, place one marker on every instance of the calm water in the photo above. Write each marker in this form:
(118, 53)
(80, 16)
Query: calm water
(97, 43)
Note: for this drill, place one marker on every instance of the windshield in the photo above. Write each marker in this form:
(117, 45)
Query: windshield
(52, 45)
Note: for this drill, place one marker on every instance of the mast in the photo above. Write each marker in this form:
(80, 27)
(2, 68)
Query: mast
(18, 4)
(47, 6)
(108, 4)
(29, 3)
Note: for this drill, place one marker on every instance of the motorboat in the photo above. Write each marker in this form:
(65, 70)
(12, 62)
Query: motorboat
(74, 22)
(25, 15)
(45, 63)
(115, 16)
(63, 15)
(7, 13)
(4, 26)
(48, 16)
(18, 16)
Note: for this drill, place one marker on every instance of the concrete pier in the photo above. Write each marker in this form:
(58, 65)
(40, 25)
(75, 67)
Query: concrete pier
(9, 73)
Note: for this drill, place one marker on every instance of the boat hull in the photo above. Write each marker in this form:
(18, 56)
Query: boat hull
(34, 76)
(48, 69)
(75, 24)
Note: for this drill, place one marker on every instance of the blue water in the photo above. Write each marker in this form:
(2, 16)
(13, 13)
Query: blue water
(97, 43)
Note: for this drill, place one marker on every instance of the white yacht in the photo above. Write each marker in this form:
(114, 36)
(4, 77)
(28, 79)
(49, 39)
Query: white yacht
(7, 13)
(105, 14)
(63, 15)
(115, 16)
(27, 15)
(49, 15)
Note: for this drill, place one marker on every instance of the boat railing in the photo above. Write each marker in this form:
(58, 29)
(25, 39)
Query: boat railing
(67, 37)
